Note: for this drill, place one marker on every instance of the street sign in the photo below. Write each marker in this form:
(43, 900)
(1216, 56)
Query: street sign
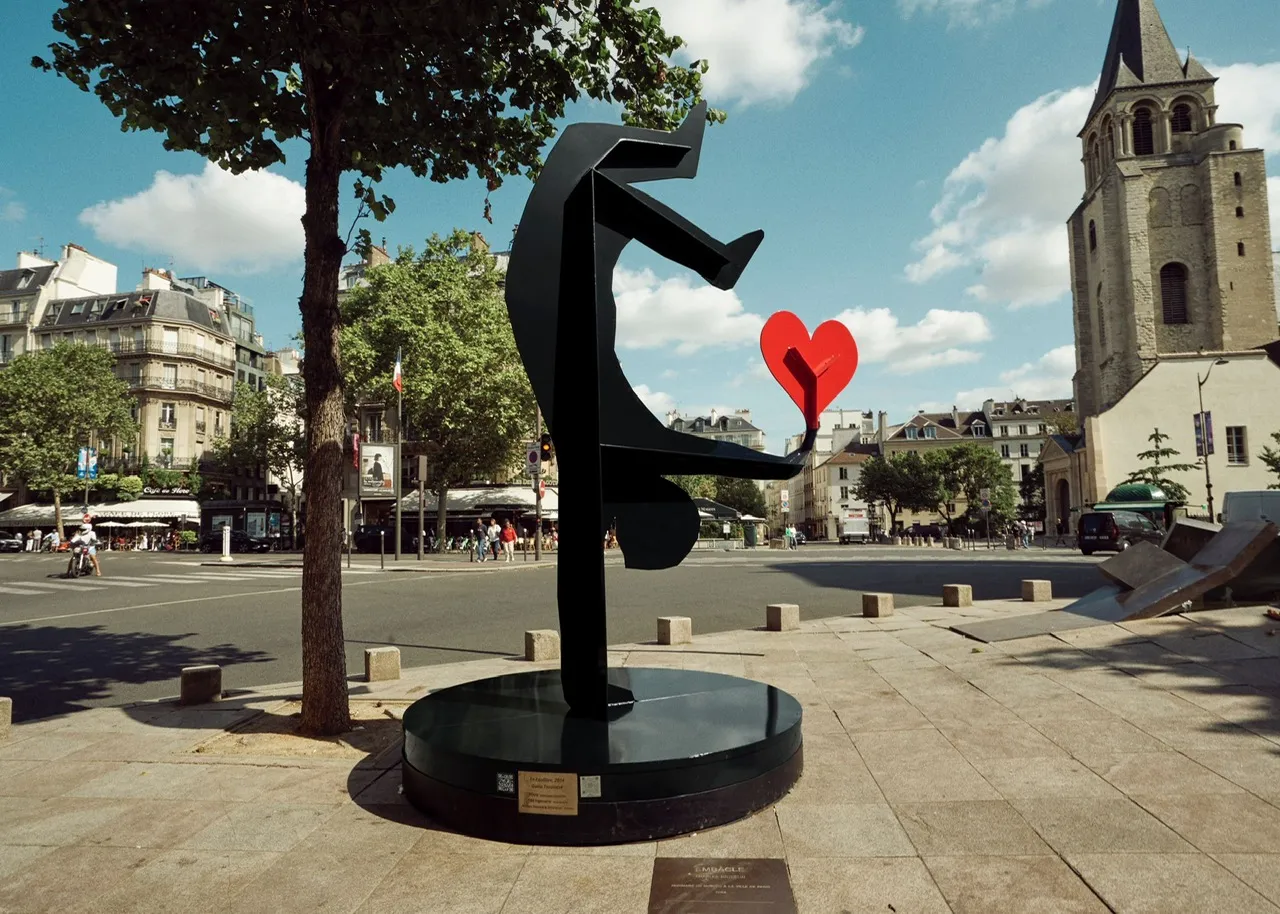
(1208, 433)
(1198, 422)
(785, 498)
(533, 459)
(985, 495)
(542, 489)
(87, 463)
(986, 504)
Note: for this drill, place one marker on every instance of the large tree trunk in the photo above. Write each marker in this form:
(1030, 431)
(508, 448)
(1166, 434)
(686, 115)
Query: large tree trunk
(441, 516)
(325, 708)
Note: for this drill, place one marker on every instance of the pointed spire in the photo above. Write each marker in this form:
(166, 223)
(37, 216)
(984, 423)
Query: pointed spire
(1141, 45)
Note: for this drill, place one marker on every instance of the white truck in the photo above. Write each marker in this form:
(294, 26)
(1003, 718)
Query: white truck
(1259, 505)
(855, 528)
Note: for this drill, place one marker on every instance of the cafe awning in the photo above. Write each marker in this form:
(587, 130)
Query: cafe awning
(143, 509)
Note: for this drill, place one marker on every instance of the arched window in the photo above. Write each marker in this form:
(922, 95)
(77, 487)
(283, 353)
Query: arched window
(1093, 235)
(1102, 320)
(1232, 145)
(1159, 208)
(1239, 181)
(1144, 143)
(1181, 121)
(1108, 141)
(1173, 293)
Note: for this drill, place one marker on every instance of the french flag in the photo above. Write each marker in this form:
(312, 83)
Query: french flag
(397, 379)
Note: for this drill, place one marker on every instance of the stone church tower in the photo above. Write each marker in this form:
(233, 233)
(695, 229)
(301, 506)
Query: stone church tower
(1171, 247)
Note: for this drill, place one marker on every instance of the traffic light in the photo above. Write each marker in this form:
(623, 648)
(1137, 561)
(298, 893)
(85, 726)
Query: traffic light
(544, 448)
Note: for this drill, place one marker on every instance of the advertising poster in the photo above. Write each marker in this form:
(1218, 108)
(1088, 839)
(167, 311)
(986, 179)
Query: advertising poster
(377, 469)
(255, 523)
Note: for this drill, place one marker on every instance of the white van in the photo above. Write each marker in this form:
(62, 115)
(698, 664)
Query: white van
(1261, 505)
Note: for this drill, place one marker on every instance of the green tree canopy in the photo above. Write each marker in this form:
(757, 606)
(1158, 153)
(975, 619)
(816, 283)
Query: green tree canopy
(1159, 460)
(267, 430)
(52, 403)
(1031, 490)
(696, 486)
(743, 495)
(900, 482)
(465, 390)
(443, 89)
(1271, 457)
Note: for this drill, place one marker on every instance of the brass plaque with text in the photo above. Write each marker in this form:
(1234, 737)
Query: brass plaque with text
(686, 885)
(547, 793)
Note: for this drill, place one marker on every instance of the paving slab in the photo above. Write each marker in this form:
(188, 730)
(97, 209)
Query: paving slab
(1012, 885)
(1153, 883)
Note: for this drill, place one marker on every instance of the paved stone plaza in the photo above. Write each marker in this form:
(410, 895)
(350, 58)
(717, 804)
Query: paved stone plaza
(1131, 767)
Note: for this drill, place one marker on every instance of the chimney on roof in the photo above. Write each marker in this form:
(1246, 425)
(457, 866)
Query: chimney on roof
(955, 416)
(478, 243)
(714, 415)
(884, 427)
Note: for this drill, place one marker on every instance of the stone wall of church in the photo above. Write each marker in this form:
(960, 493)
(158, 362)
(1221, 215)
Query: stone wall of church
(1243, 287)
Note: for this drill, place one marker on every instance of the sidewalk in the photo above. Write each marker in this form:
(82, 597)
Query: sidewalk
(1131, 767)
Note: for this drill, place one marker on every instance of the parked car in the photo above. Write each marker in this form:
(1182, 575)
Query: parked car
(856, 530)
(1116, 531)
(240, 542)
(368, 536)
(801, 539)
(9, 542)
(1257, 505)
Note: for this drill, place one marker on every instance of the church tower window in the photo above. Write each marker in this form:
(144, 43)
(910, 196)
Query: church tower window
(1238, 180)
(1102, 321)
(1173, 293)
(1181, 121)
(1239, 212)
(1144, 143)
(1093, 235)
(1240, 248)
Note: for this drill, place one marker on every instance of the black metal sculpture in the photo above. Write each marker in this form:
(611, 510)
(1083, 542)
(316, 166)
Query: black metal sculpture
(612, 451)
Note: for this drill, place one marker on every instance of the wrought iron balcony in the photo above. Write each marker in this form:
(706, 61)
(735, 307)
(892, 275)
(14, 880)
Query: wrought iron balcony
(129, 348)
(152, 382)
(14, 314)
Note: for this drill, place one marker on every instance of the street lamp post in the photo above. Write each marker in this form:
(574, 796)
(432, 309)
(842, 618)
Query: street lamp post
(1204, 433)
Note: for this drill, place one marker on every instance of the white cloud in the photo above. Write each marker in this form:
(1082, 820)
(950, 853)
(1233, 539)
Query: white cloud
(935, 341)
(11, 210)
(1249, 94)
(659, 403)
(655, 312)
(1004, 207)
(1047, 378)
(966, 12)
(213, 221)
(758, 50)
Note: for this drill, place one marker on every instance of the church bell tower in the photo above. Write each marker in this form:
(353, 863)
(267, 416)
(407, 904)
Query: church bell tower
(1170, 248)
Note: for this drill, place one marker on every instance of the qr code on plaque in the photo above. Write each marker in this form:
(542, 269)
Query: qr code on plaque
(506, 783)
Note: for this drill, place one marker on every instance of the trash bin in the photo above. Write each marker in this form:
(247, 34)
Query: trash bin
(749, 535)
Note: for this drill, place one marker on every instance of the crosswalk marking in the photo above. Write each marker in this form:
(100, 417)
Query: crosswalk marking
(19, 592)
(62, 585)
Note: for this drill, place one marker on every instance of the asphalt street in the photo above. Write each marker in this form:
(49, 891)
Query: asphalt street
(66, 645)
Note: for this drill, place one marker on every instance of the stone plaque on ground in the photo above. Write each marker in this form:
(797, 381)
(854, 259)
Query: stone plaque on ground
(691, 885)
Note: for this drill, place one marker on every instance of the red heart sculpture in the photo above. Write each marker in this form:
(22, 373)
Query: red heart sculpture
(812, 370)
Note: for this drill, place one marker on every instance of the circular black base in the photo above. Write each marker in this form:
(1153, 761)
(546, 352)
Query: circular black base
(694, 750)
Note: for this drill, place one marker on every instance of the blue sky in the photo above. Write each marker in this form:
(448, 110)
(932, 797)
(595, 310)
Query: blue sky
(911, 162)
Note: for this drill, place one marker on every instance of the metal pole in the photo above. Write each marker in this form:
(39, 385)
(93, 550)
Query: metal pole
(537, 491)
(382, 549)
(226, 543)
(1204, 438)
(399, 461)
(422, 498)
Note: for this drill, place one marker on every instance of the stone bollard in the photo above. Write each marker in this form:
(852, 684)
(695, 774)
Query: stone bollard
(201, 684)
(897, 541)
(6, 717)
(675, 630)
(928, 541)
(542, 644)
(782, 617)
(1035, 591)
(957, 595)
(877, 605)
(381, 664)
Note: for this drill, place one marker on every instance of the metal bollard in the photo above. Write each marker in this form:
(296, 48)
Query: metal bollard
(382, 549)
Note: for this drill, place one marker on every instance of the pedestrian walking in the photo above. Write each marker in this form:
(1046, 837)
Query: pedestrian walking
(36, 540)
(481, 542)
(495, 537)
(509, 541)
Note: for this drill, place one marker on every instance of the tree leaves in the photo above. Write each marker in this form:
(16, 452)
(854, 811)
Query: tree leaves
(52, 403)
(1271, 457)
(1157, 473)
(465, 389)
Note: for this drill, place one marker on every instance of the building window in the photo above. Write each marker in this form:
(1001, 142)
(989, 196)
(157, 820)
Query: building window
(931, 432)
(1004, 451)
(1041, 429)
(1143, 138)
(165, 457)
(1093, 235)
(77, 307)
(844, 472)
(1181, 121)
(1239, 181)
(844, 493)
(1026, 470)
(168, 415)
(171, 339)
(1004, 431)
(170, 378)
(1239, 248)
(1173, 293)
(979, 430)
(1024, 450)
(1237, 446)
(1239, 212)
(1022, 430)
(200, 426)
(913, 433)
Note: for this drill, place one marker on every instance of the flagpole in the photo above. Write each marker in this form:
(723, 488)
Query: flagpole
(399, 442)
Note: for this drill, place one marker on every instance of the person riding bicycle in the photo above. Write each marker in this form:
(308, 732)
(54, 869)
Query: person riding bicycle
(86, 539)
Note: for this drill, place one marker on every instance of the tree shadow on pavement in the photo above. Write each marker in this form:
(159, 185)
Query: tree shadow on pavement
(990, 579)
(1224, 665)
(50, 670)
